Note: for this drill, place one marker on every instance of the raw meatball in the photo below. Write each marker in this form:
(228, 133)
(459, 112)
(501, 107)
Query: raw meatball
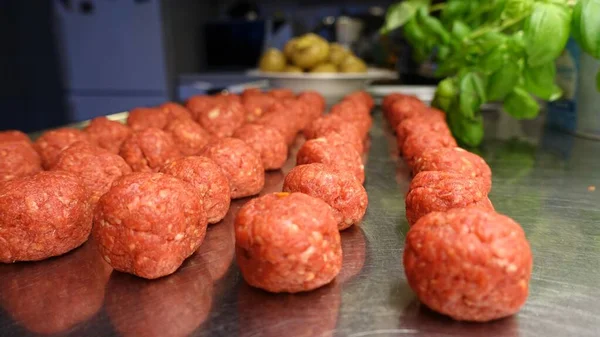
(416, 144)
(240, 163)
(434, 191)
(329, 124)
(361, 97)
(251, 92)
(44, 215)
(388, 100)
(222, 119)
(256, 105)
(334, 151)
(175, 111)
(315, 101)
(355, 114)
(56, 304)
(199, 105)
(107, 134)
(147, 224)
(300, 110)
(18, 159)
(267, 142)
(454, 160)
(148, 150)
(51, 143)
(189, 136)
(143, 118)
(339, 189)
(280, 119)
(404, 108)
(96, 167)
(227, 97)
(424, 123)
(287, 243)
(469, 264)
(13, 136)
(208, 179)
(281, 93)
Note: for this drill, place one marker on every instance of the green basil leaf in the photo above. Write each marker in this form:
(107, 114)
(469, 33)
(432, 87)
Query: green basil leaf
(467, 131)
(454, 9)
(546, 32)
(414, 33)
(493, 60)
(516, 8)
(586, 26)
(433, 25)
(491, 40)
(521, 105)
(503, 81)
(460, 30)
(540, 81)
(472, 94)
(445, 94)
(398, 15)
(443, 52)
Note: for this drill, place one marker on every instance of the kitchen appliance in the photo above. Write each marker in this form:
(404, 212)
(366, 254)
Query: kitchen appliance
(121, 54)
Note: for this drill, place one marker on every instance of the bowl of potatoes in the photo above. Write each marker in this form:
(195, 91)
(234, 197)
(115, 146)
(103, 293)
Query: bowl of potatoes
(309, 62)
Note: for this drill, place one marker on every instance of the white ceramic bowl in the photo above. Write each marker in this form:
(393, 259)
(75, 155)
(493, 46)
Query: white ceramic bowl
(333, 86)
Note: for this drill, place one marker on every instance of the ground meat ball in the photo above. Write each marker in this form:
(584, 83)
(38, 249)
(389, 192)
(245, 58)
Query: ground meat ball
(388, 100)
(267, 142)
(469, 264)
(404, 108)
(416, 144)
(454, 160)
(434, 191)
(173, 306)
(334, 151)
(227, 98)
(425, 123)
(107, 134)
(315, 100)
(361, 97)
(208, 179)
(329, 124)
(339, 189)
(353, 113)
(144, 118)
(56, 304)
(18, 159)
(148, 150)
(287, 243)
(96, 167)
(222, 119)
(147, 224)
(199, 105)
(303, 110)
(189, 136)
(256, 105)
(175, 111)
(281, 93)
(279, 119)
(240, 163)
(251, 92)
(13, 136)
(51, 143)
(44, 215)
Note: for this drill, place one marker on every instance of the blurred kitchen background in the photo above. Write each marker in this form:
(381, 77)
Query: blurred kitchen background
(70, 60)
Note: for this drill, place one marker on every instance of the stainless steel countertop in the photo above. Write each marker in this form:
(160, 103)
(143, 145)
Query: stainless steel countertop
(544, 186)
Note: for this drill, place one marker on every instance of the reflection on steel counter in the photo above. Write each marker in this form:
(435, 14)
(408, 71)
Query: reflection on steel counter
(54, 296)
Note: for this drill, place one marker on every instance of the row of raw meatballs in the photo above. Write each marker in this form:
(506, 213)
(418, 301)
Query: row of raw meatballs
(44, 214)
(461, 258)
(129, 218)
(290, 241)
